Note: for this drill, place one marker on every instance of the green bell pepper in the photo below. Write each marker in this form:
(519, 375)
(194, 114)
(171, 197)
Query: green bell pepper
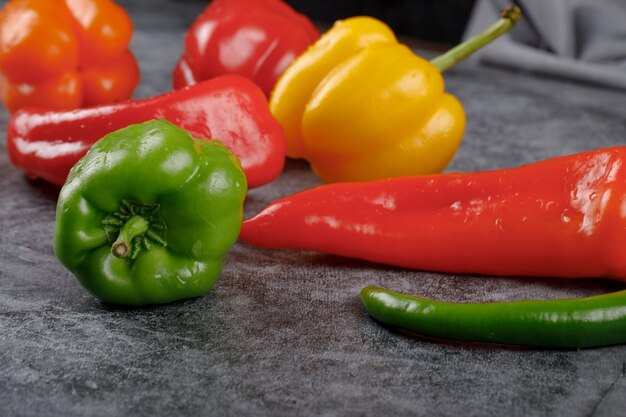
(149, 214)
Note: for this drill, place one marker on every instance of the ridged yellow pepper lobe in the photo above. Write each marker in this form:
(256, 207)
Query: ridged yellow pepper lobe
(294, 88)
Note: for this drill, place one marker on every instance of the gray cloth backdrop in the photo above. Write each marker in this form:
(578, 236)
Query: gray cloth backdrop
(581, 40)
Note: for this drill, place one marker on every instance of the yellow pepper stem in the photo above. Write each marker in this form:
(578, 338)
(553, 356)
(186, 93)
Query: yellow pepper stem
(509, 17)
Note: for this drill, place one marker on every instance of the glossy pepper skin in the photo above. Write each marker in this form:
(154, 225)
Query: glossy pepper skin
(149, 214)
(360, 106)
(562, 217)
(65, 54)
(257, 39)
(231, 108)
(297, 84)
(554, 324)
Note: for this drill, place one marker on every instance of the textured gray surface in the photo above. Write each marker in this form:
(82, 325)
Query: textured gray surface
(283, 332)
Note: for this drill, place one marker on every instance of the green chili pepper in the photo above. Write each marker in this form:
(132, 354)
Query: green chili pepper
(567, 323)
(149, 214)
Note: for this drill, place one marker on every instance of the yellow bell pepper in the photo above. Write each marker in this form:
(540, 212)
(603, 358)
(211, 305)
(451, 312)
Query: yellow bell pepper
(359, 106)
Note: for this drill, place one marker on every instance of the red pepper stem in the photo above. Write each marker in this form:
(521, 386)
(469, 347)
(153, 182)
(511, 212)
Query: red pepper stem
(135, 226)
(510, 15)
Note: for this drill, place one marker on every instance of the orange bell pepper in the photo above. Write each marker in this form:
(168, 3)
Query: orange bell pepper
(64, 54)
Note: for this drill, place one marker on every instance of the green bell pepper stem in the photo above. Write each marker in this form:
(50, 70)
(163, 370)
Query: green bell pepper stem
(509, 17)
(135, 226)
(566, 323)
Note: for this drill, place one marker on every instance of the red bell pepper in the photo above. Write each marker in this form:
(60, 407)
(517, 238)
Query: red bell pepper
(230, 108)
(254, 38)
(563, 217)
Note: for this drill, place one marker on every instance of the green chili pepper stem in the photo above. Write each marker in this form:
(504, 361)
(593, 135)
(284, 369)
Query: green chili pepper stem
(509, 17)
(555, 324)
(135, 226)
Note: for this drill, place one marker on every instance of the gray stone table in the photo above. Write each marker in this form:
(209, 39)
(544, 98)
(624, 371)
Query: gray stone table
(283, 333)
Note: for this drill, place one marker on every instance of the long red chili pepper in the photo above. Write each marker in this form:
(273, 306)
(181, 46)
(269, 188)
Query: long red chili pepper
(563, 217)
(230, 108)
